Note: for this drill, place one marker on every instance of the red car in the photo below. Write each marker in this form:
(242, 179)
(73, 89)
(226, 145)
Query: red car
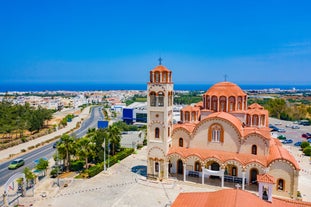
(306, 135)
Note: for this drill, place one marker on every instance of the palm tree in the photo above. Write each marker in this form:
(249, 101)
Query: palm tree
(28, 175)
(42, 165)
(114, 137)
(66, 148)
(86, 149)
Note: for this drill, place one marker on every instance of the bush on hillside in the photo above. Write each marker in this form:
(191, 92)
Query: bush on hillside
(307, 151)
(304, 145)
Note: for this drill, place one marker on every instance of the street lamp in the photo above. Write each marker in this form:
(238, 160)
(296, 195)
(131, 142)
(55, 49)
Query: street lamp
(103, 145)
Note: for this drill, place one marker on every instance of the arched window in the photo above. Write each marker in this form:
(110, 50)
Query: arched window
(157, 77)
(281, 185)
(187, 116)
(239, 103)
(208, 102)
(223, 103)
(255, 120)
(254, 150)
(164, 77)
(216, 133)
(157, 133)
(160, 99)
(197, 166)
(214, 103)
(248, 120)
(234, 171)
(262, 120)
(156, 166)
(231, 103)
(193, 116)
(181, 142)
(152, 98)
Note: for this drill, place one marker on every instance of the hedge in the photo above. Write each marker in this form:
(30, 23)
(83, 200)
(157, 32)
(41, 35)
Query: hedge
(76, 165)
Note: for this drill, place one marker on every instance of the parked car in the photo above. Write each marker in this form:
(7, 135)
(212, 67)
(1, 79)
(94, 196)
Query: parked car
(295, 127)
(281, 137)
(309, 140)
(306, 135)
(16, 164)
(273, 128)
(288, 126)
(278, 123)
(297, 144)
(287, 141)
(282, 130)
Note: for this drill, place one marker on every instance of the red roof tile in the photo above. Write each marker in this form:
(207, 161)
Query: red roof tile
(225, 89)
(231, 198)
(265, 178)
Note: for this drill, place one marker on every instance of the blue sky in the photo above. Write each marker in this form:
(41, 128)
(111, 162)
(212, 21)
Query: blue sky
(253, 42)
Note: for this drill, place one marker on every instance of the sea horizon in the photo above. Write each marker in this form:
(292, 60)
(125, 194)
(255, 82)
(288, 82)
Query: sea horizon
(39, 87)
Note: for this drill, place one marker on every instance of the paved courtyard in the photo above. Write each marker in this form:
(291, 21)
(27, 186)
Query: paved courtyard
(118, 186)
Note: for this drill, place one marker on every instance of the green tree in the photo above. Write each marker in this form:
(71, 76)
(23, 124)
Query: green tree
(42, 165)
(86, 149)
(30, 176)
(277, 107)
(114, 137)
(66, 149)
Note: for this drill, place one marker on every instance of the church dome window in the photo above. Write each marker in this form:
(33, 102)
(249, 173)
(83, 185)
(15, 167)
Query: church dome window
(254, 150)
(157, 133)
(216, 133)
(181, 142)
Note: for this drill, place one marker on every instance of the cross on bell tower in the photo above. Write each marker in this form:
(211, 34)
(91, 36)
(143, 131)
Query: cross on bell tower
(225, 76)
(160, 61)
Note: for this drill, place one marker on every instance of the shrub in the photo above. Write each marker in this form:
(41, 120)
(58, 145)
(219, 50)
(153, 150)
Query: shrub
(94, 170)
(304, 145)
(307, 151)
(76, 165)
(23, 150)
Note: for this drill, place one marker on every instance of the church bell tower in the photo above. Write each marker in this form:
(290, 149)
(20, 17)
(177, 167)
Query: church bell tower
(160, 121)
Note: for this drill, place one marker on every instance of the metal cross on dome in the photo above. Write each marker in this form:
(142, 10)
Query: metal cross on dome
(160, 61)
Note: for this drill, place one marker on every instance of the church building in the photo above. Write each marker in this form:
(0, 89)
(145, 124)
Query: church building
(220, 139)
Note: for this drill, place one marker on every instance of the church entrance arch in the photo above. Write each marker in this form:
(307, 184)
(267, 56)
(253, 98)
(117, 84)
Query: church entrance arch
(180, 166)
(253, 175)
(215, 166)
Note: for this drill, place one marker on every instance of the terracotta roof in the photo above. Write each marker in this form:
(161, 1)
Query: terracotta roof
(264, 132)
(231, 198)
(265, 178)
(223, 156)
(223, 115)
(255, 106)
(278, 152)
(225, 89)
(199, 104)
(188, 126)
(190, 108)
(160, 68)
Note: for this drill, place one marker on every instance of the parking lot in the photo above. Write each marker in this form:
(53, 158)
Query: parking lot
(290, 133)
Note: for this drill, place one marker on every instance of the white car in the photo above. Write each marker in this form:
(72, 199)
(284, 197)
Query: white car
(295, 127)
(282, 130)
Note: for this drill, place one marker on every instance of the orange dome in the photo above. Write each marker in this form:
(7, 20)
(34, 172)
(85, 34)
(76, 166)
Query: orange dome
(225, 89)
(160, 68)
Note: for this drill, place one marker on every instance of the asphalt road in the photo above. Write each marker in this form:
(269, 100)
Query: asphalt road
(96, 115)
(47, 151)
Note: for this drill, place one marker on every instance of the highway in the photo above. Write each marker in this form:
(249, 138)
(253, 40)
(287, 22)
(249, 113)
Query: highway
(47, 151)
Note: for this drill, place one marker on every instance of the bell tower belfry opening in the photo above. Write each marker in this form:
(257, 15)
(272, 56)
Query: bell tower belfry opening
(159, 121)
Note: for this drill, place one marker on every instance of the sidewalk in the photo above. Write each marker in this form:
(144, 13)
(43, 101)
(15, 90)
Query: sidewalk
(5, 154)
